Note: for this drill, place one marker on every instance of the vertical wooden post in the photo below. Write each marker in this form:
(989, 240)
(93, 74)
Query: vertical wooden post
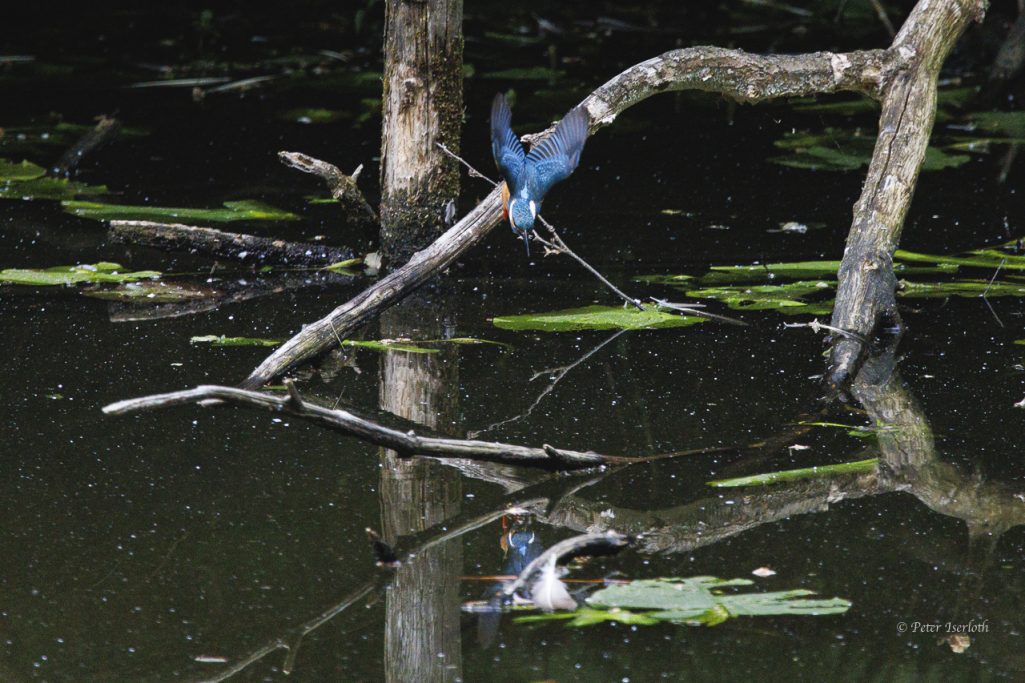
(422, 106)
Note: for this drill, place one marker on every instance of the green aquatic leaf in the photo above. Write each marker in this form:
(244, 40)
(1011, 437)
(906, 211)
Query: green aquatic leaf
(980, 144)
(961, 288)
(534, 73)
(859, 432)
(846, 107)
(856, 467)
(702, 600)
(470, 341)
(25, 170)
(387, 345)
(587, 616)
(844, 150)
(767, 272)
(1009, 123)
(48, 188)
(221, 340)
(693, 593)
(242, 210)
(952, 98)
(346, 266)
(595, 318)
(314, 115)
(70, 275)
(979, 258)
(1020, 342)
(42, 139)
(512, 38)
(794, 270)
(785, 298)
(937, 159)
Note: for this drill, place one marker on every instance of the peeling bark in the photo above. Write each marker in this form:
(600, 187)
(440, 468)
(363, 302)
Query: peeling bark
(422, 106)
(865, 297)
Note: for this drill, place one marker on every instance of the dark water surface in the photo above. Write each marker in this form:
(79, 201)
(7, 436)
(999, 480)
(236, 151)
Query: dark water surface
(176, 545)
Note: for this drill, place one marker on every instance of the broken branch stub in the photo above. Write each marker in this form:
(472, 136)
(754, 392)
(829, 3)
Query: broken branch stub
(341, 186)
(734, 73)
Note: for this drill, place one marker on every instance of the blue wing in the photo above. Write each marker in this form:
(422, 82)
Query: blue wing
(555, 158)
(505, 146)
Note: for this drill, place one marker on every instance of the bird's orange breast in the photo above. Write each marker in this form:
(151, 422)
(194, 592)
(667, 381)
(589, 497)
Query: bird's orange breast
(505, 201)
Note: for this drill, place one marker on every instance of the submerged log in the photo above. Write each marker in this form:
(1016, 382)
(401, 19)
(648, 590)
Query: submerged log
(228, 245)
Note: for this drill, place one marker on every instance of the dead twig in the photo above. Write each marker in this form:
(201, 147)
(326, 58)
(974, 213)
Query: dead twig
(474, 173)
(816, 326)
(557, 245)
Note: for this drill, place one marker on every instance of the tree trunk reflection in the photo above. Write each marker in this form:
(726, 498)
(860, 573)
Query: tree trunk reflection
(422, 638)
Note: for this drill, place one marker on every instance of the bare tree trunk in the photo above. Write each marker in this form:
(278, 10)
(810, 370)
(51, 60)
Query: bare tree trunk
(423, 106)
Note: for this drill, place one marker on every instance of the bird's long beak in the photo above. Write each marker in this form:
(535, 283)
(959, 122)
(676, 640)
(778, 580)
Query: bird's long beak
(526, 242)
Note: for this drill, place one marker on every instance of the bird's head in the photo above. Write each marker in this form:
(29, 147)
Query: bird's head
(522, 213)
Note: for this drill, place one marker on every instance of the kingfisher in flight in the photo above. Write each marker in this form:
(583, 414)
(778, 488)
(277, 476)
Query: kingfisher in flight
(529, 177)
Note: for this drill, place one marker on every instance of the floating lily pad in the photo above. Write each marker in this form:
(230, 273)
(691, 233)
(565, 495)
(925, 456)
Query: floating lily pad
(25, 170)
(70, 275)
(856, 467)
(595, 318)
(707, 600)
(242, 210)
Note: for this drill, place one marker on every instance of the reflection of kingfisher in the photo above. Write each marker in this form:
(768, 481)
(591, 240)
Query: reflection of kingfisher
(528, 177)
(521, 547)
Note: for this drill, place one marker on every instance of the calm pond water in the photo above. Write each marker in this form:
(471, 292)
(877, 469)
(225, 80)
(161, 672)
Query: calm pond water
(197, 544)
